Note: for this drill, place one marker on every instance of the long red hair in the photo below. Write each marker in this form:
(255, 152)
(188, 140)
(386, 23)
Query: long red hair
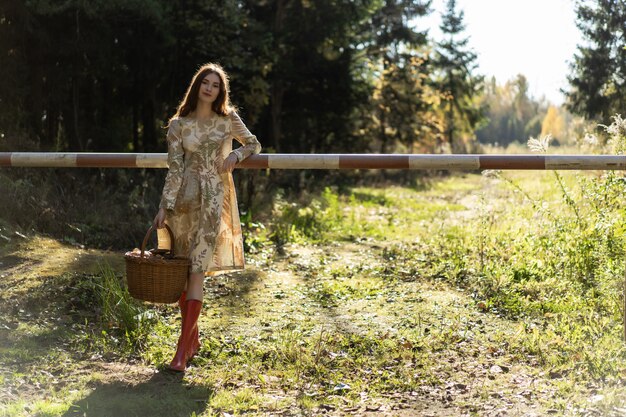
(221, 105)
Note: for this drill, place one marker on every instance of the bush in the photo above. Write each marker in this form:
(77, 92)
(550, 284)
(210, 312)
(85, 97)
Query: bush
(314, 221)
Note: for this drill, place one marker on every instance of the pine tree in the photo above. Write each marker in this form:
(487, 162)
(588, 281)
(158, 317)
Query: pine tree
(461, 88)
(396, 53)
(598, 81)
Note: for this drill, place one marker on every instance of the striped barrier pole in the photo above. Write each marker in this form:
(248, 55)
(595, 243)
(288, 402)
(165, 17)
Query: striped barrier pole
(328, 161)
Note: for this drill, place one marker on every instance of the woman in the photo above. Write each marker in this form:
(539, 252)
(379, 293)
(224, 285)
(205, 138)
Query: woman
(198, 201)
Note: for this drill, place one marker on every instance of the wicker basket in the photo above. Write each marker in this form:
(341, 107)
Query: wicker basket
(156, 276)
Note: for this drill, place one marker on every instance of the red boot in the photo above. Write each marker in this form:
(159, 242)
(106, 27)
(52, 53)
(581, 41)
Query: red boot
(195, 345)
(185, 341)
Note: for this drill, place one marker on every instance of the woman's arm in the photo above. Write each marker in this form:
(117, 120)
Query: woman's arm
(175, 163)
(249, 142)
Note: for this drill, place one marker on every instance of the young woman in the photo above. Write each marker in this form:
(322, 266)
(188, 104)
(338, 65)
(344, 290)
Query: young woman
(198, 200)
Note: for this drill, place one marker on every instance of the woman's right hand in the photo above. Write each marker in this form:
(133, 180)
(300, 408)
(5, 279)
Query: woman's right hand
(159, 219)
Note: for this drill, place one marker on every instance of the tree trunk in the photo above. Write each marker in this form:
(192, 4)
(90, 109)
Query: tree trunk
(36, 106)
(76, 89)
(278, 86)
(52, 128)
(135, 127)
(147, 116)
(383, 134)
(278, 92)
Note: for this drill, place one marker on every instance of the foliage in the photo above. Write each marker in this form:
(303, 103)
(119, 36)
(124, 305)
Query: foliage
(460, 86)
(513, 115)
(553, 124)
(316, 221)
(121, 324)
(308, 76)
(616, 136)
(97, 208)
(117, 69)
(405, 103)
(398, 101)
(599, 68)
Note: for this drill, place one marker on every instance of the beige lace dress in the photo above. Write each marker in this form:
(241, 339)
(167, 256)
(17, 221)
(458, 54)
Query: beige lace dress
(199, 197)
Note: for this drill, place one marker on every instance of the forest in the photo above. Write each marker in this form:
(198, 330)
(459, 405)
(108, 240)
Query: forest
(365, 292)
(308, 76)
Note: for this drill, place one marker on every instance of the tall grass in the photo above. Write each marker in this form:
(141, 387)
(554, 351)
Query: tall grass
(118, 308)
(121, 324)
(91, 207)
(561, 273)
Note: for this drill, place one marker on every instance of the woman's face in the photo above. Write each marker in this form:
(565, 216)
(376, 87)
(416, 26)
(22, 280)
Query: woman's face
(210, 88)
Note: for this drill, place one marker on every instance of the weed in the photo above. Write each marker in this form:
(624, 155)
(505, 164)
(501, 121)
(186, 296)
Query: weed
(114, 207)
(255, 233)
(121, 324)
(314, 222)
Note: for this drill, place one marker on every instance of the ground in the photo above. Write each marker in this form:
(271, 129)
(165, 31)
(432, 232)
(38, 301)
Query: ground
(313, 329)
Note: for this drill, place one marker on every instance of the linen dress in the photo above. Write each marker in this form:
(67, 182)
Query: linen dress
(199, 198)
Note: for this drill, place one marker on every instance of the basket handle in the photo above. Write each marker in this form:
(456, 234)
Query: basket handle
(150, 230)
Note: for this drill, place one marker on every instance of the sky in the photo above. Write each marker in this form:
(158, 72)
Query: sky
(537, 38)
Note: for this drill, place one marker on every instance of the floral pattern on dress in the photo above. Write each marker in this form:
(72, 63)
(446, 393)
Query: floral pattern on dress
(199, 198)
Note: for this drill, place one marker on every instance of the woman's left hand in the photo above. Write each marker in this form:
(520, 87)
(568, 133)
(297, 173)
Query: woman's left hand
(230, 162)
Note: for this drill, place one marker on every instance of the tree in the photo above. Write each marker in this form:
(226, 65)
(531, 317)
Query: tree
(460, 86)
(87, 80)
(396, 69)
(312, 87)
(106, 75)
(511, 114)
(598, 79)
(553, 124)
(405, 106)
